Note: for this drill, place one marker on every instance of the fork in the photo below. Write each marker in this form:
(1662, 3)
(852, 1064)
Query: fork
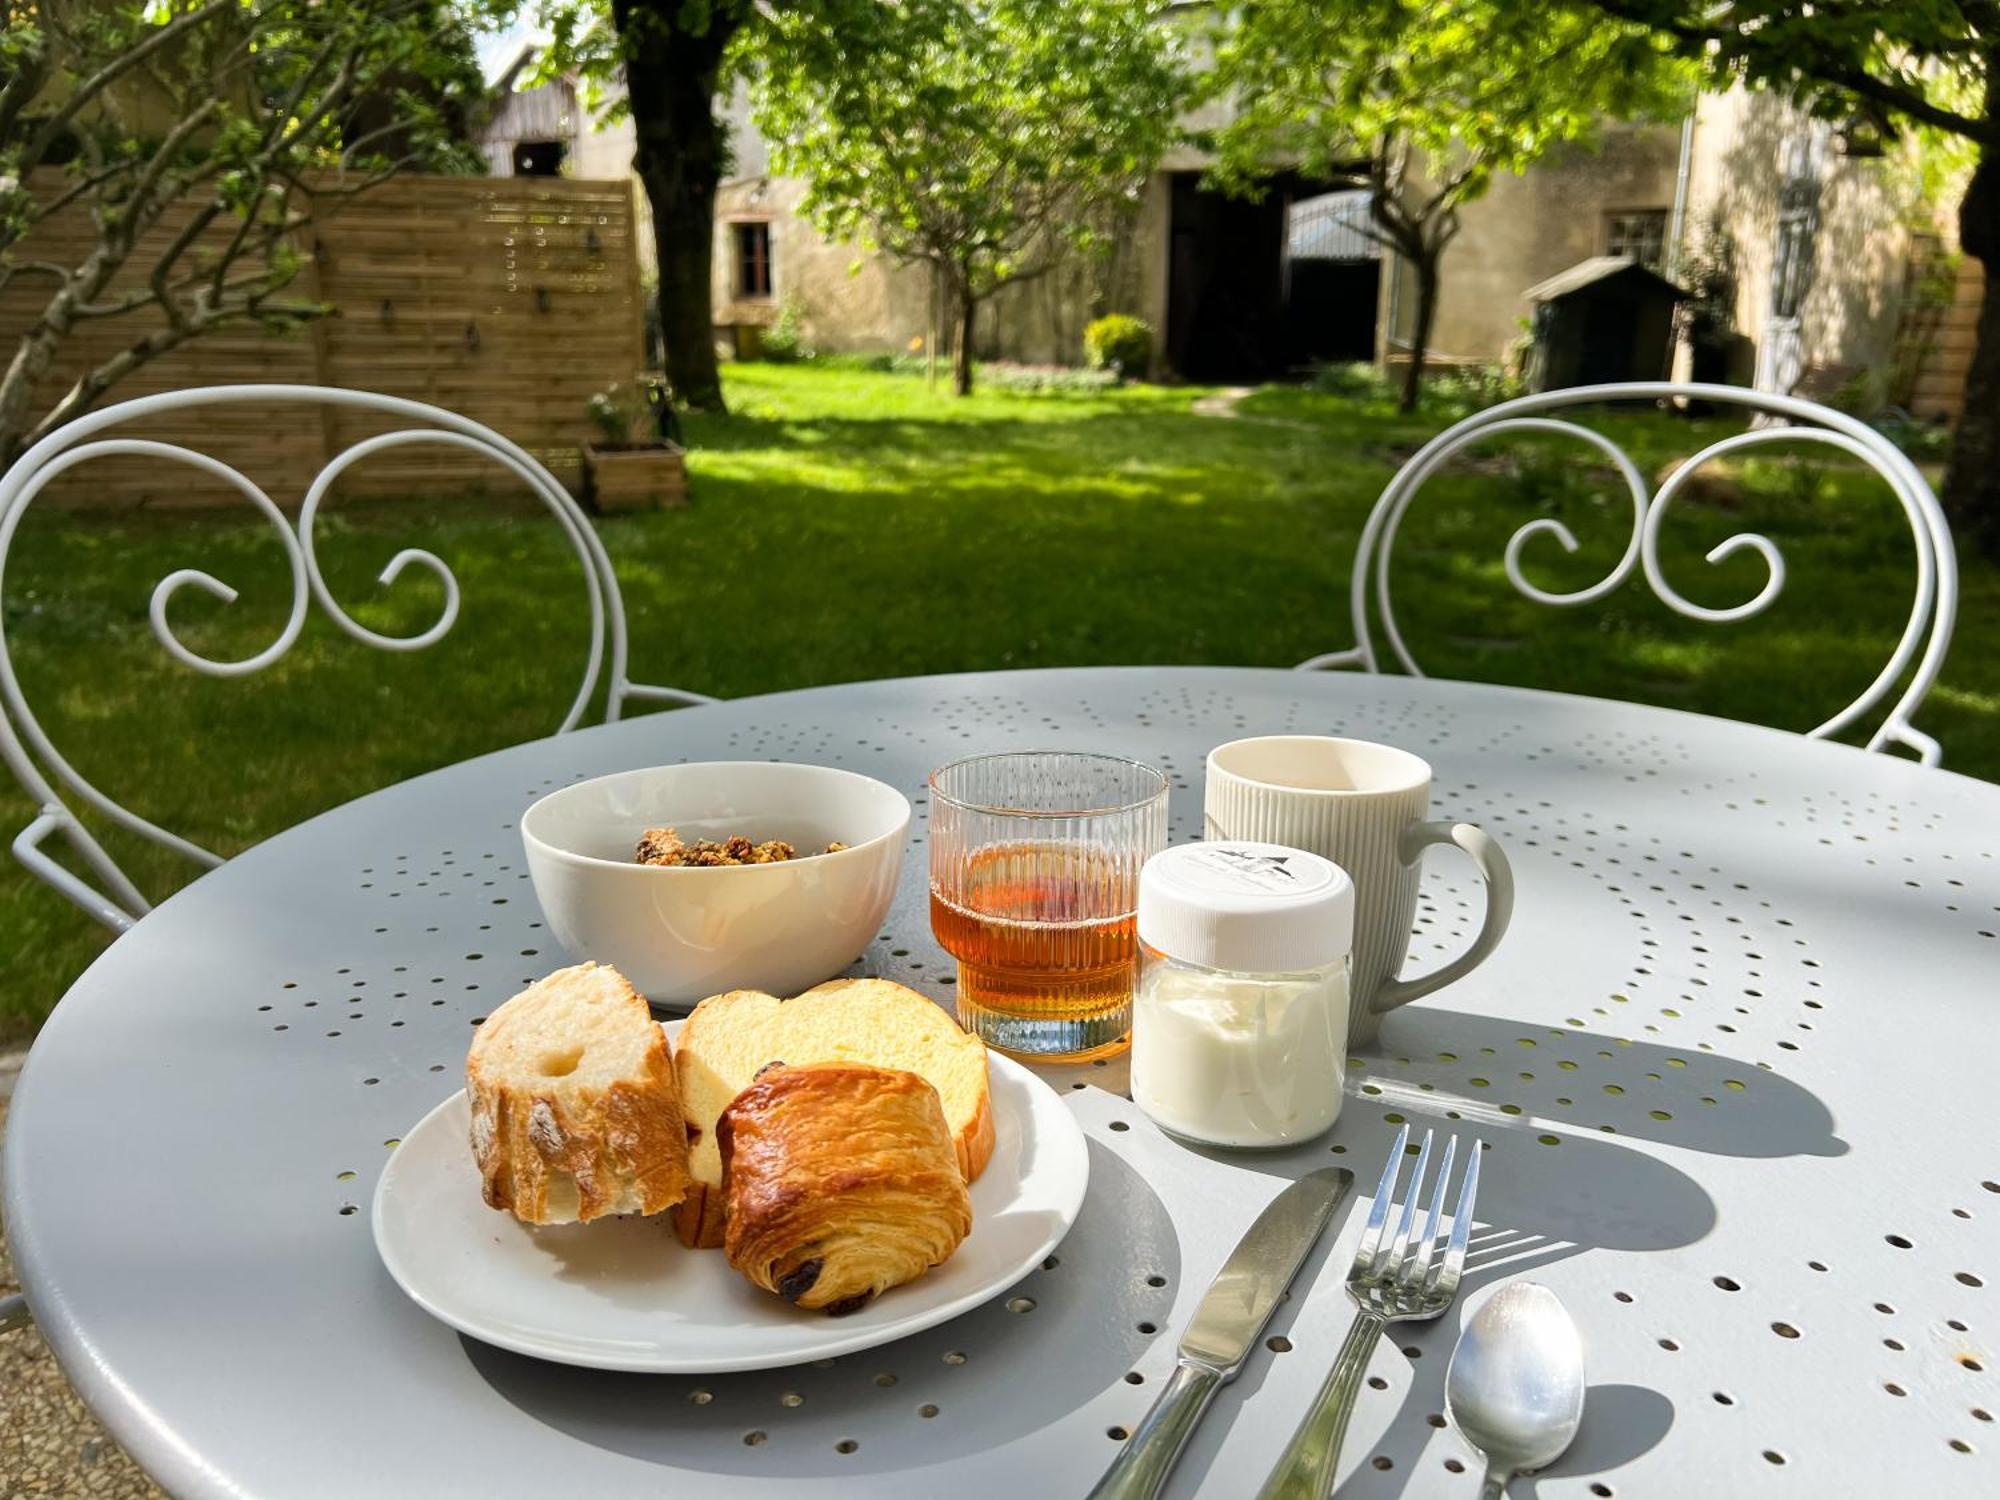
(1390, 1282)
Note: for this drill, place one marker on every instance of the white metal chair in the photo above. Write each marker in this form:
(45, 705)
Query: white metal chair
(1932, 610)
(41, 768)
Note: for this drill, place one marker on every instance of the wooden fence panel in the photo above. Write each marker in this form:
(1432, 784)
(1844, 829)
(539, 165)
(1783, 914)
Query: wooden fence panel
(270, 450)
(1940, 391)
(507, 299)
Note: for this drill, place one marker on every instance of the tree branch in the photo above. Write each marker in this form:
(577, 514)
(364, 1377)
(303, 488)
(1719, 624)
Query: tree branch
(21, 88)
(141, 199)
(12, 268)
(1880, 91)
(82, 184)
(1911, 101)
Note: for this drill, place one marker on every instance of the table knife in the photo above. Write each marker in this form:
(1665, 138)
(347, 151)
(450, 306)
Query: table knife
(1225, 1328)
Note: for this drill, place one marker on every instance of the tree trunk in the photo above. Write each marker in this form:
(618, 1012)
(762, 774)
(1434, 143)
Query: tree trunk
(961, 357)
(35, 355)
(33, 359)
(671, 77)
(933, 321)
(1972, 483)
(1426, 267)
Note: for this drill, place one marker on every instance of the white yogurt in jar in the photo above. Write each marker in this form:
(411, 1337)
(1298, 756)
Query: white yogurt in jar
(1239, 1059)
(1239, 1023)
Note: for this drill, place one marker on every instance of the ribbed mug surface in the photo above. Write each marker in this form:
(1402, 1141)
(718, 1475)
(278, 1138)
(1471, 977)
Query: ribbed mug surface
(1358, 828)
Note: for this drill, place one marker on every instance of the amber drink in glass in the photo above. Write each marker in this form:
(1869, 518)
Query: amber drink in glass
(1035, 860)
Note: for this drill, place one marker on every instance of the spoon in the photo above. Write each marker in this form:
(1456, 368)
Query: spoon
(1515, 1387)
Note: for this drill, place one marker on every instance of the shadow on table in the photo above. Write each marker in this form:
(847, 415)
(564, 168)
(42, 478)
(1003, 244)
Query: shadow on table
(976, 1383)
(1494, 1070)
(1621, 1423)
(1543, 1196)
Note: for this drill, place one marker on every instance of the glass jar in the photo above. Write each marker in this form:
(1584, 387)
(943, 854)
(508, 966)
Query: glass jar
(1239, 1023)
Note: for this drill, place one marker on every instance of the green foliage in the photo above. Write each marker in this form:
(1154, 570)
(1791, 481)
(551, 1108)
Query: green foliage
(1862, 393)
(616, 412)
(1001, 375)
(1449, 394)
(1464, 389)
(1476, 87)
(1872, 66)
(1708, 271)
(880, 362)
(1121, 343)
(982, 133)
(785, 341)
(1926, 442)
(1351, 381)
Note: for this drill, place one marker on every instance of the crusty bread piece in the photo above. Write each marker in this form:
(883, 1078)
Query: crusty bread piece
(842, 1181)
(575, 1109)
(729, 1037)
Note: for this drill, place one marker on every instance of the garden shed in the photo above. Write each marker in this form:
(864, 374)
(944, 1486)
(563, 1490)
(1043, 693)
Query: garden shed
(1604, 319)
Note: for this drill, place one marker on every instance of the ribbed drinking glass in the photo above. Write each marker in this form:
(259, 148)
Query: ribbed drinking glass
(1035, 860)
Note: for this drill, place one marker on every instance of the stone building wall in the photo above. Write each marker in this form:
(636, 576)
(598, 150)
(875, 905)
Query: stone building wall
(1847, 320)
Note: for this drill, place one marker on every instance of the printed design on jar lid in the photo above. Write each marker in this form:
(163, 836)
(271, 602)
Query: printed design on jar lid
(1252, 869)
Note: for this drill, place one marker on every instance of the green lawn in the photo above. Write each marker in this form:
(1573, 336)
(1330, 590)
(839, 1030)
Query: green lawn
(850, 525)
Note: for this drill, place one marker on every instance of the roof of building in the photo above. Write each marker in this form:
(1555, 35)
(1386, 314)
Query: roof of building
(1589, 272)
(502, 82)
(1331, 226)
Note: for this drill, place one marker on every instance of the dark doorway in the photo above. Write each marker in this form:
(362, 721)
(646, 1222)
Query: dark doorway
(539, 158)
(1225, 284)
(1606, 355)
(1240, 307)
(1332, 307)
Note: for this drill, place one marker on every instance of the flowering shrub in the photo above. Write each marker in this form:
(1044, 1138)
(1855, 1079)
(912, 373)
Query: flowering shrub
(628, 414)
(1001, 376)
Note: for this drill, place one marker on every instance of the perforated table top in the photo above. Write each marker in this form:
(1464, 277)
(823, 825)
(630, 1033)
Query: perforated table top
(1733, 1065)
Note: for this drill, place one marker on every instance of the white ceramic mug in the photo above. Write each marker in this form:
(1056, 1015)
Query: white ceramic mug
(1365, 807)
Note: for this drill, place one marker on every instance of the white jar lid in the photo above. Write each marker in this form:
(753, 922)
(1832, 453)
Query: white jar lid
(1249, 908)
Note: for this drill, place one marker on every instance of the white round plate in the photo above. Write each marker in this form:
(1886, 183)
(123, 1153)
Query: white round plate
(624, 1294)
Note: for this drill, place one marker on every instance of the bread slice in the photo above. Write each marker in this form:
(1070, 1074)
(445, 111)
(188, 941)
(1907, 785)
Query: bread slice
(576, 1112)
(729, 1037)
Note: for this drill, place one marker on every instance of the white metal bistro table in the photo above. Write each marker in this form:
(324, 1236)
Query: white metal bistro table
(1733, 1065)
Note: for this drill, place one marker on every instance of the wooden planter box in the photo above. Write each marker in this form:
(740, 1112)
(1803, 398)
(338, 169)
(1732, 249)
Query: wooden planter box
(652, 477)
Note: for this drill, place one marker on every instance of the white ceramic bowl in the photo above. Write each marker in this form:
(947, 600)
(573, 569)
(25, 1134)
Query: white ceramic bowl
(683, 933)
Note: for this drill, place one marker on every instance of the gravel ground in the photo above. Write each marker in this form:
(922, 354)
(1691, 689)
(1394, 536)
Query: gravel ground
(50, 1445)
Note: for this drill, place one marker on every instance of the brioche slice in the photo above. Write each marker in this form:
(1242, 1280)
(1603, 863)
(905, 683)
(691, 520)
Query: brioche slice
(842, 1181)
(728, 1038)
(575, 1109)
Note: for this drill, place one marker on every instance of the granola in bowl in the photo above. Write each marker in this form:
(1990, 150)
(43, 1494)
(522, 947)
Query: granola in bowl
(665, 846)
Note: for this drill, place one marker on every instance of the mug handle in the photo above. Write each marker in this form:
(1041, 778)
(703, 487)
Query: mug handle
(1491, 861)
